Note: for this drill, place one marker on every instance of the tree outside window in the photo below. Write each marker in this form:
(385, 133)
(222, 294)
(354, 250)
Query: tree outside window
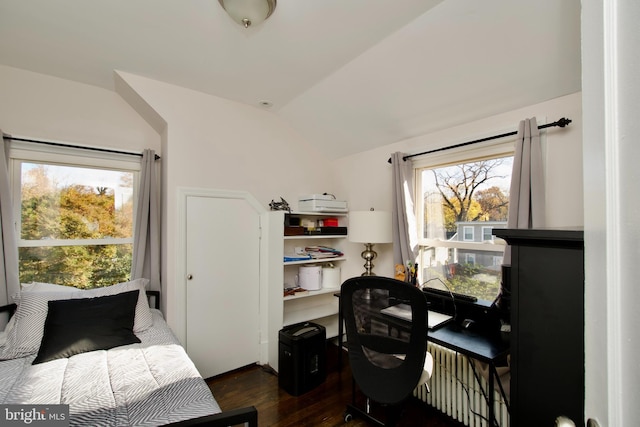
(76, 224)
(461, 202)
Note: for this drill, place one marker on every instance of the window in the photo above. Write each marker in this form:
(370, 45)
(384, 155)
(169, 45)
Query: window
(74, 217)
(486, 234)
(463, 193)
(468, 233)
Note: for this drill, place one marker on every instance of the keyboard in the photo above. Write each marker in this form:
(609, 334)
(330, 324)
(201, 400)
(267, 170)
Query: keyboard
(403, 311)
(451, 295)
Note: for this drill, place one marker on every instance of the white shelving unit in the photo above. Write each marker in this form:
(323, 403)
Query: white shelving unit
(319, 306)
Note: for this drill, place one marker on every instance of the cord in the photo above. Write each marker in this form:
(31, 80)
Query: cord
(453, 298)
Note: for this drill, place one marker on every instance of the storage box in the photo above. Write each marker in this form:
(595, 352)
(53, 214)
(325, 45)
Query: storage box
(321, 203)
(293, 230)
(330, 222)
(316, 197)
(302, 357)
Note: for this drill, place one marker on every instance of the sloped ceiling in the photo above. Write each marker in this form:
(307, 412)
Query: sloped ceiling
(349, 74)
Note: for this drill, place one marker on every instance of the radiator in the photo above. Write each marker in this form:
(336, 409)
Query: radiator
(454, 390)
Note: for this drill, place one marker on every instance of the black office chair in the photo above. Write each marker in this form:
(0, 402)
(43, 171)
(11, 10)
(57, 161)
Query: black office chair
(386, 326)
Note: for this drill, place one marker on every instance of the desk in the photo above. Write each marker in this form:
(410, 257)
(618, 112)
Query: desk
(487, 348)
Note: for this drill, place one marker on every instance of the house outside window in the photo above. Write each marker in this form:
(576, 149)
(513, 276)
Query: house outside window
(74, 215)
(462, 197)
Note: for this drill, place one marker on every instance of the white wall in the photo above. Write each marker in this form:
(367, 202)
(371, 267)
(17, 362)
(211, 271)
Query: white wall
(365, 178)
(43, 107)
(611, 89)
(215, 143)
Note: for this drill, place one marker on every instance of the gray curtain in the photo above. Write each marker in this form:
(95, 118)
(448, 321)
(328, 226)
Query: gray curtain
(405, 234)
(9, 281)
(146, 244)
(527, 197)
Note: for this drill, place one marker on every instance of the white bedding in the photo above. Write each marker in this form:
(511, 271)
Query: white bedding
(147, 384)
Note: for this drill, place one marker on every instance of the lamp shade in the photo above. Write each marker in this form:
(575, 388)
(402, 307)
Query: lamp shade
(370, 227)
(248, 12)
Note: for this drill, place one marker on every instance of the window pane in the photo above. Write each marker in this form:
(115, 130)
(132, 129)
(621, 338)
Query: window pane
(467, 272)
(486, 233)
(468, 233)
(462, 204)
(65, 202)
(84, 267)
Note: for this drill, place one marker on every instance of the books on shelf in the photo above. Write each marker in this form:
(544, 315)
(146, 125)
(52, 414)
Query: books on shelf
(291, 258)
(314, 252)
(318, 252)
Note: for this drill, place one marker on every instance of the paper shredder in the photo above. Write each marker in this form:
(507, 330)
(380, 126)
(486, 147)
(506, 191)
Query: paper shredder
(302, 357)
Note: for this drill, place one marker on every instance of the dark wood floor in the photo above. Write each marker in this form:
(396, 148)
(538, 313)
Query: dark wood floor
(323, 406)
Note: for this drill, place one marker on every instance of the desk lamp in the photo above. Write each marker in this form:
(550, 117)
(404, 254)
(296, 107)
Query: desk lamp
(370, 227)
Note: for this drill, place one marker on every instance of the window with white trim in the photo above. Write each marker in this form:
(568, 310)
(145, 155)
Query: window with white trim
(455, 193)
(470, 258)
(74, 215)
(467, 232)
(486, 234)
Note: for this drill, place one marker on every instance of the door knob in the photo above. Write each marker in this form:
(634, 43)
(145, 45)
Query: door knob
(189, 276)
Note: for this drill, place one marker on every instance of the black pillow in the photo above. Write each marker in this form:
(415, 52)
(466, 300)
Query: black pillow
(77, 326)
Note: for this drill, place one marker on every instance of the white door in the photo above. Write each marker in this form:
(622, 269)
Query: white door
(222, 288)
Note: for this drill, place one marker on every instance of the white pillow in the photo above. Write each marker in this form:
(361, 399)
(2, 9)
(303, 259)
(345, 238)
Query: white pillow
(46, 287)
(24, 338)
(42, 287)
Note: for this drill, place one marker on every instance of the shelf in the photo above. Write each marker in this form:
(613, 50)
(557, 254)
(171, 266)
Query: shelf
(329, 214)
(312, 294)
(310, 309)
(314, 261)
(316, 236)
(319, 306)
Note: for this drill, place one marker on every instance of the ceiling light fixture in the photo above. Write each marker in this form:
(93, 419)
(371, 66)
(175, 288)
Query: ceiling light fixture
(248, 12)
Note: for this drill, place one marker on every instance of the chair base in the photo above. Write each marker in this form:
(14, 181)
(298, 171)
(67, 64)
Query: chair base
(355, 411)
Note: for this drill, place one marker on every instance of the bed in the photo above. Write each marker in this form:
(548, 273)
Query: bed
(108, 356)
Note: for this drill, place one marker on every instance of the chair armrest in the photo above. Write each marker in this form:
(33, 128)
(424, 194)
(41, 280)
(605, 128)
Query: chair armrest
(247, 416)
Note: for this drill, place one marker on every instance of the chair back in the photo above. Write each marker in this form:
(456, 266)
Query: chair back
(386, 352)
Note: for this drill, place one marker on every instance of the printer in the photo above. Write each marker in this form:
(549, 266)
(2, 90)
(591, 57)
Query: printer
(321, 203)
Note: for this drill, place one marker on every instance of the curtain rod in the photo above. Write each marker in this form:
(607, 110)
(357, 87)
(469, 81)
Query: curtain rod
(560, 123)
(59, 144)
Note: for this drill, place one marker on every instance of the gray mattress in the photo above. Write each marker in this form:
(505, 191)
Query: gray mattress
(147, 384)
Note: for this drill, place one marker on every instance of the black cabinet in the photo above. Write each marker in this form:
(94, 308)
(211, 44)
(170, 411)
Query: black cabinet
(547, 325)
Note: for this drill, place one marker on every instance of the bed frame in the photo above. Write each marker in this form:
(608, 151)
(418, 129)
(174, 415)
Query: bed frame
(247, 416)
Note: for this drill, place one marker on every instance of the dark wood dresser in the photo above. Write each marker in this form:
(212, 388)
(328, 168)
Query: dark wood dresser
(547, 325)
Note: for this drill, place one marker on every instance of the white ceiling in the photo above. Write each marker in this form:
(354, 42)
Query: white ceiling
(349, 74)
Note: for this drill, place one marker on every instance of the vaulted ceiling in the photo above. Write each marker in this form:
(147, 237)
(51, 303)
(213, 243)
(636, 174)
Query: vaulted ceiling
(349, 74)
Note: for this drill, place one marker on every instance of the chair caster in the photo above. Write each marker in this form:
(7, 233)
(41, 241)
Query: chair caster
(347, 416)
